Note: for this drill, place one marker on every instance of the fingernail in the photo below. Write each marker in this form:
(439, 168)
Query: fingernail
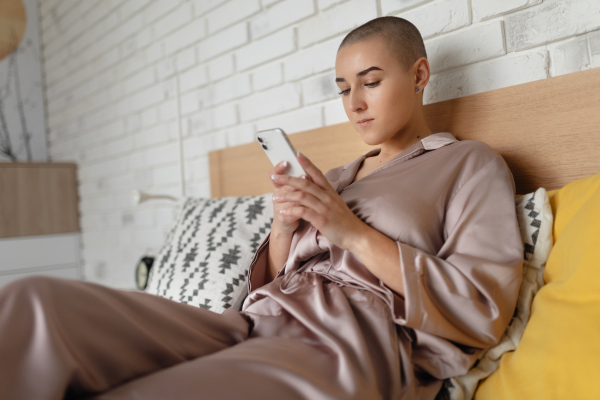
(281, 211)
(275, 198)
(303, 176)
(273, 177)
(284, 164)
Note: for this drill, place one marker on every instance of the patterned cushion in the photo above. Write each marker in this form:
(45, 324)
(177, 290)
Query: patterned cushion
(535, 221)
(204, 261)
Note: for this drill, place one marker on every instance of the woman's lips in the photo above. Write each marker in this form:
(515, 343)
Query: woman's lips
(365, 123)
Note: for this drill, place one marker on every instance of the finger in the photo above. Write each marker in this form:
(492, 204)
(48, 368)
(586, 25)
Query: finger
(283, 190)
(307, 177)
(315, 173)
(281, 167)
(287, 217)
(306, 200)
(316, 219)
(300, 184)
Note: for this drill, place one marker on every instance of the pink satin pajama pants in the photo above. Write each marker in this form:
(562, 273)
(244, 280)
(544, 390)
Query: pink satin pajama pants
(72, 339)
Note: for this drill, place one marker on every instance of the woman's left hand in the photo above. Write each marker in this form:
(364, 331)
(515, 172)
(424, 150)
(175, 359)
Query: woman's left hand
(320, 204)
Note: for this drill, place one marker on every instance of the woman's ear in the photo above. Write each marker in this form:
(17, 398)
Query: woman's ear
(422, 73)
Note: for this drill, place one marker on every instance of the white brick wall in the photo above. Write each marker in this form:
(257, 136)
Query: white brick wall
(550, 21)
(485, 9)
(112, 70)
(477, 43)
(440, 17)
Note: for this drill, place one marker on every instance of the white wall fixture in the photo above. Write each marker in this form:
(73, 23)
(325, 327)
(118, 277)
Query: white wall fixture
(139, 196)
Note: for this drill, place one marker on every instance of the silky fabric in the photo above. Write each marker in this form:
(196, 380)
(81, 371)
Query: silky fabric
(449, 205)
(324, 328)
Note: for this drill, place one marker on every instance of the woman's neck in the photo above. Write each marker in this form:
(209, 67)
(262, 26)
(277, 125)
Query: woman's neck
(404, 139)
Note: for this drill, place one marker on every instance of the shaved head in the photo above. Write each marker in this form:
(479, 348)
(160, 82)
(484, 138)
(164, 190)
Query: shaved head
(405, 41)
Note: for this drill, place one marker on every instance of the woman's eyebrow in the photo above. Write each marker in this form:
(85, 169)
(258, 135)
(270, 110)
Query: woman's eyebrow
(361, 73)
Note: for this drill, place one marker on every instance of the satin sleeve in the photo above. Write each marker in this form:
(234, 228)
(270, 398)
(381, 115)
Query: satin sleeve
(467, 292)
(258, 265)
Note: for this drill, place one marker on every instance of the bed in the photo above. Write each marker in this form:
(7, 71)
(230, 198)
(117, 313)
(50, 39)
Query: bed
(548, 132)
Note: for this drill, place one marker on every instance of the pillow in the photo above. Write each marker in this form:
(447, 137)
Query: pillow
(535, 222)
(204, 261)
(559, 351)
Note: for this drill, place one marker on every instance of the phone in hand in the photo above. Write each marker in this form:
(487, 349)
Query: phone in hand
(278, 147)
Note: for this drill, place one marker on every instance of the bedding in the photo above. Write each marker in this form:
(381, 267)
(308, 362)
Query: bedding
(205, 258)
(557, 357)
(535, 224)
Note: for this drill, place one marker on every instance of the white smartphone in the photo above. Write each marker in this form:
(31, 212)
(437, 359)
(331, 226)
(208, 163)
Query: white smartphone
(278, 147)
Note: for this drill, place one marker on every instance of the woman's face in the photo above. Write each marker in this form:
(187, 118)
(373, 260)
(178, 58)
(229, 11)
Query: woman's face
(376, 87)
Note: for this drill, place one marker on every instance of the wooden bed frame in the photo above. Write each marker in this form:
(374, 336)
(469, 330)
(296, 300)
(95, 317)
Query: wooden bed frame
(548, 132)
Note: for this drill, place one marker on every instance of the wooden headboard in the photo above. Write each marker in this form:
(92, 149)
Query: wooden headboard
(548, 132)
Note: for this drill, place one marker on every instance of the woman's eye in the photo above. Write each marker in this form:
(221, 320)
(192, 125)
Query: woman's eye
(373, 84)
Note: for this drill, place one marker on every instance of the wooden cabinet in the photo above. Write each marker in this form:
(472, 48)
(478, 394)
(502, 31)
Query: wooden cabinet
(39, 221)
(38, 199)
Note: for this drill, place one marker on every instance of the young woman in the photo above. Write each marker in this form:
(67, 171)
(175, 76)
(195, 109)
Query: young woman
(379, 279)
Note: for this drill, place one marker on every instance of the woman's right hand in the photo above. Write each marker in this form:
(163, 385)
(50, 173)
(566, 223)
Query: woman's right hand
(284, 223)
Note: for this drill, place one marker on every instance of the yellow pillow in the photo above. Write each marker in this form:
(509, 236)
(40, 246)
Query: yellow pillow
(559, 354)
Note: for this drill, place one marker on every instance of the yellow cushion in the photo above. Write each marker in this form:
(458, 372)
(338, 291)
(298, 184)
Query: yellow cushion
(559, 354)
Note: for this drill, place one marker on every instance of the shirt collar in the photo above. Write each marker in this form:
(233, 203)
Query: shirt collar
(431, 142)
(438, 140)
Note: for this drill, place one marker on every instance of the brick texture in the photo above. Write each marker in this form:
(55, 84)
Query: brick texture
(393, 6)
(465, 47)
(440, 17)
(493, 74)
(550, 21)
(594, 41)
(570, 56)
(486, 9)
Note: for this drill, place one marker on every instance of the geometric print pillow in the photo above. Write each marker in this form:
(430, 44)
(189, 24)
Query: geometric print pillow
(535, 223)
(204, 261)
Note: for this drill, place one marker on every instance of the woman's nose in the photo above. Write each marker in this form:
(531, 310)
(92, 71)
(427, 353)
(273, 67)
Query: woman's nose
(357, 102)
